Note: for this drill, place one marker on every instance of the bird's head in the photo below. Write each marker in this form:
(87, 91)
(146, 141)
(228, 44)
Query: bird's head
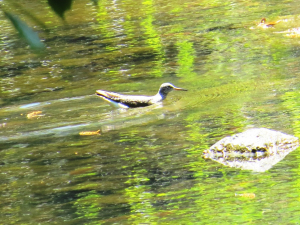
(165, 88)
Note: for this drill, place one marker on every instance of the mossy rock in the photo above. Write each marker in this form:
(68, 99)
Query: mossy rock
(256, 149)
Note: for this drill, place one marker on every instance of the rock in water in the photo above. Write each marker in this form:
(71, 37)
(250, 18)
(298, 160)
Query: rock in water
(256, 149)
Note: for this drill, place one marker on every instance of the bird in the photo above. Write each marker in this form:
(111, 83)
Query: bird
(134, 101)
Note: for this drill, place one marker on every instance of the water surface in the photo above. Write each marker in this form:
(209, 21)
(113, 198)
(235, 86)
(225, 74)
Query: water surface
(146, 164)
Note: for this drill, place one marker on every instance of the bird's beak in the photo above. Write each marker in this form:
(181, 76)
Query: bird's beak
(179, 89)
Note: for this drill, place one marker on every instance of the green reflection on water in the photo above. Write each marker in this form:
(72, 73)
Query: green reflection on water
(104, 18)
(291, 101)
(152, 37)
(140, 199)
(88, 206)
(186, 57)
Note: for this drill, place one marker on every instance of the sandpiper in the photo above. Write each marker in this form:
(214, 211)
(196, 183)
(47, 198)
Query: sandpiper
(133, 101)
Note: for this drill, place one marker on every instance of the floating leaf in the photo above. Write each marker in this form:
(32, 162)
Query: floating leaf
(263, 23)
(246, 195)
(34, 114)
(25, 31)
(85, 133)
(60, 6)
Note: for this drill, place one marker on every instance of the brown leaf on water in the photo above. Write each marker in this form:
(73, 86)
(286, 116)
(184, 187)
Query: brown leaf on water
(87, 133)
(34, 114)
(245, 195)
(263, 23)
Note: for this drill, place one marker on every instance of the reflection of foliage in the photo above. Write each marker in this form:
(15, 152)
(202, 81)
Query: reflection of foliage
(139, 197)
(88, 206)
(186, 57)
(291, 101)
(153, 39)
(59, 7)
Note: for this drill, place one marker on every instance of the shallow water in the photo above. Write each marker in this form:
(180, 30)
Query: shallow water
(146, 165)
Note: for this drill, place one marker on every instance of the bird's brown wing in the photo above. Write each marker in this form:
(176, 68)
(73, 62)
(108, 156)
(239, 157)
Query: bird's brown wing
(127, 100)
(110, 95)
(135, 101)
